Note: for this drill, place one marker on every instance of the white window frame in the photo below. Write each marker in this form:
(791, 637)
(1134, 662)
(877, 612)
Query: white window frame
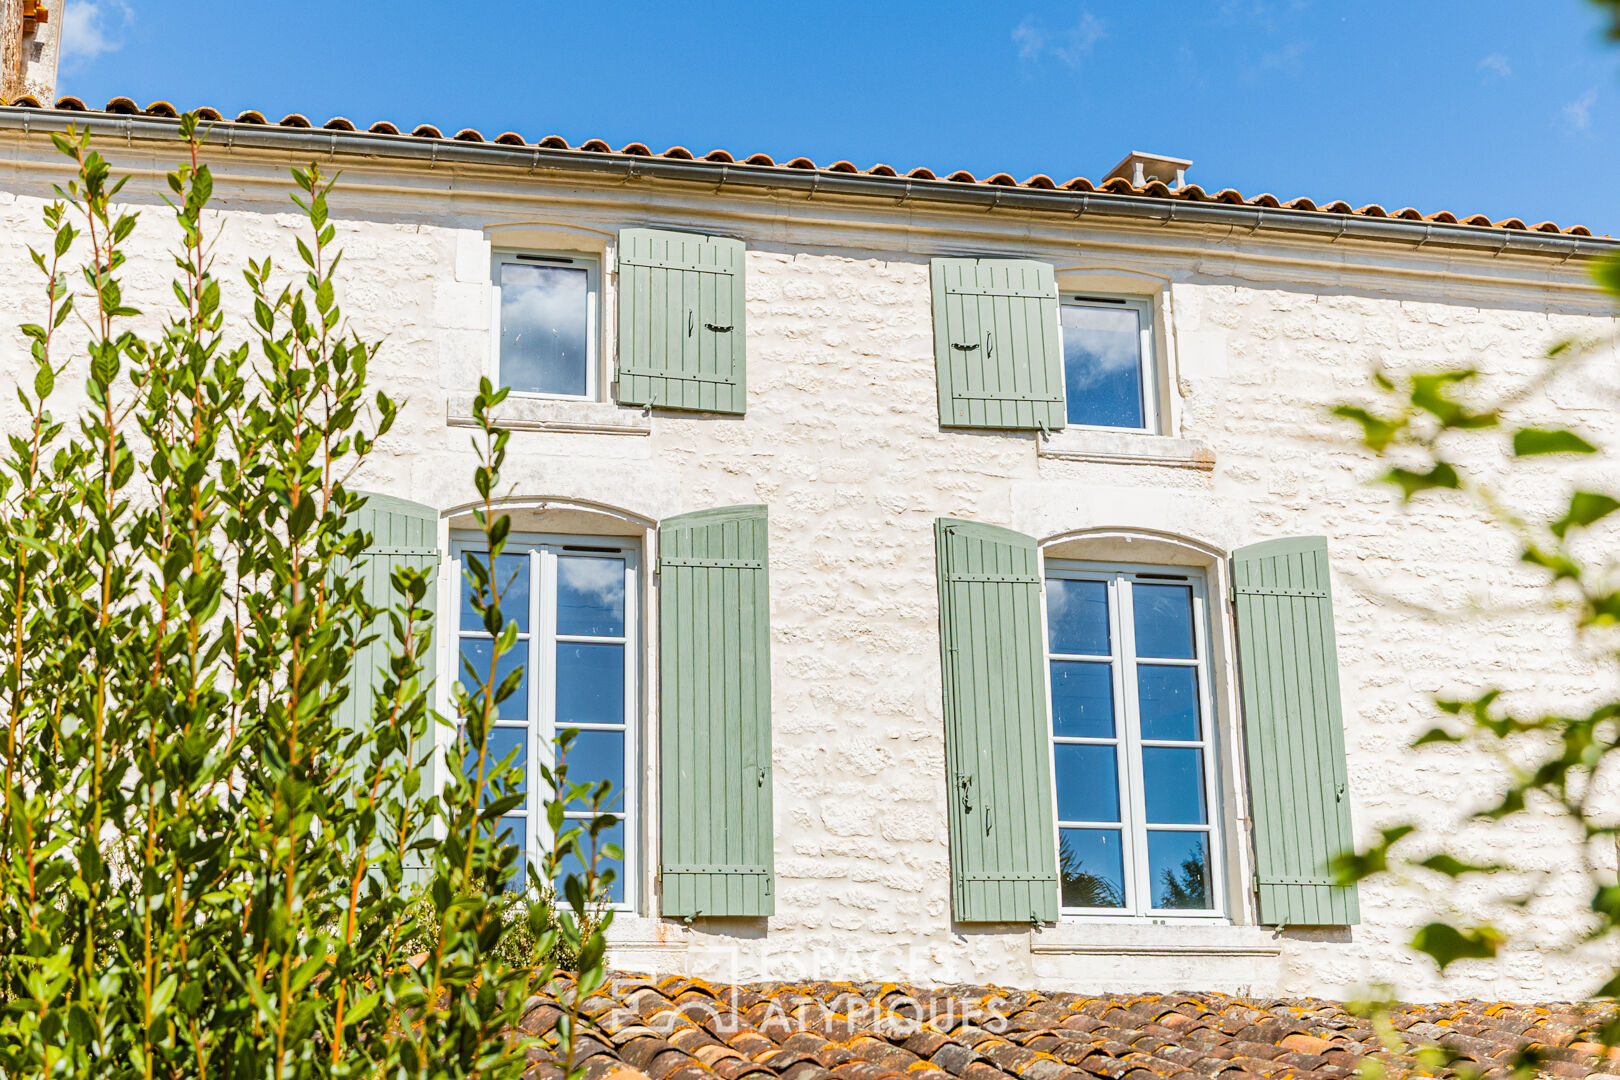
(1152, 423)
(1133, 824)
(543, 550)
(592, 265)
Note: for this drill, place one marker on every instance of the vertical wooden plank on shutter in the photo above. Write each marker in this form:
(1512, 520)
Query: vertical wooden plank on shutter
(1288, 676)
(998, 757)
(682, 340)
(403, 534)
(998, 344)
(715, 695)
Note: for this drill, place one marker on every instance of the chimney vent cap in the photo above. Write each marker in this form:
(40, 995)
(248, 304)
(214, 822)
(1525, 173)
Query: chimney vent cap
(1139, 167)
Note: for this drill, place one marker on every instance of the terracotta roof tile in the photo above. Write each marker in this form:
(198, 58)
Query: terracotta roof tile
(683, 1029)
(1040, 181)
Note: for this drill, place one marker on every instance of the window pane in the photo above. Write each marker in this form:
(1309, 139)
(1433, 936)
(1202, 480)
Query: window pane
(501, 742)
(510, 580)
(1178, 865)
(1083, 699)
(513, 830)
(1087, 783)
(590, 596)
(590, 684)
(1163, 621)
(1102, 366)
(594, 756)
(1077, 616)
(573, 864)
(1092, 866)
(544, 313)
(1169, 701)
(1173, 783)
(477, 652)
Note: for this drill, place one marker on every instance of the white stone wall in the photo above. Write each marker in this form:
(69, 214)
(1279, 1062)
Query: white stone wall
(842, 441)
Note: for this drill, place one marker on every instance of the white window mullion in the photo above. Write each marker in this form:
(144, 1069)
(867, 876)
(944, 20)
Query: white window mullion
(1141, 898)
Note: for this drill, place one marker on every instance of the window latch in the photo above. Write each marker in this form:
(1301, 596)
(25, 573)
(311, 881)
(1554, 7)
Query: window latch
(959, 347)
(689, 323)
(989, 344)
(718, 329)
(762, 776)
(965, 783)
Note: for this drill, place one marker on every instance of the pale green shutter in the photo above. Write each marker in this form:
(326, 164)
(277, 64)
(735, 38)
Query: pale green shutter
(997, 753)
(715, 723)
(998, 344)
(1289, 680)
(403, 533)
(681, 332)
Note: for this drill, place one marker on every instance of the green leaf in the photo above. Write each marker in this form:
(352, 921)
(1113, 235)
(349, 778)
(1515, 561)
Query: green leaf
(1453, 867)
(1527, 442)
(1447, 944)
(1411, 483)
(1585, 507)
(1376, 432)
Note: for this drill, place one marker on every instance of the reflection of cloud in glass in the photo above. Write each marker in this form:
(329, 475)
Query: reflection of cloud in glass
(590, 596)
(543, 328)
(1102, 366)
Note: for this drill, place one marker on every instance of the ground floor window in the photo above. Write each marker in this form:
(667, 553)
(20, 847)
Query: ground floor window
(1133, 743)
(574, 602)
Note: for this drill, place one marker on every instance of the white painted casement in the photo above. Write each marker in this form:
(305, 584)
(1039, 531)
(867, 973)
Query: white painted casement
(545, 332)
(1110, 369)
(1134, 747)
(575, 599)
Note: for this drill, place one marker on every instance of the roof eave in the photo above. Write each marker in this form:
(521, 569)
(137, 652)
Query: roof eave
(1312, 223)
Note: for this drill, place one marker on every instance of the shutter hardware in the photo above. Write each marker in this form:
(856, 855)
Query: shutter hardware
(1017, 294)
(719, 564)
(1248, 590)
(993, 579)
(664, 264)
(963, 348)
(718, 329)
(665, 373)
(1009, 397)
(716, 868)
(1287, 879)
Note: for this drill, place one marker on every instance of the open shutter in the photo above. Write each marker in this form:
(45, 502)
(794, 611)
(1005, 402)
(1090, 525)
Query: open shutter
(997, 757)
(998, 344)
(715, 724)
(681, 333)
(1288, 673)
(403, 533)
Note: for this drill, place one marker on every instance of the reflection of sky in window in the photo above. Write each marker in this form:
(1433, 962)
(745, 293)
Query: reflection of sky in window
(590, 596)
(1077, 616)
(1102, 366)
(543, 328)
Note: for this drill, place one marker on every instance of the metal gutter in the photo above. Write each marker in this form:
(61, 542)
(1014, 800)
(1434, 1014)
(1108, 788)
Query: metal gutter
(812, 182)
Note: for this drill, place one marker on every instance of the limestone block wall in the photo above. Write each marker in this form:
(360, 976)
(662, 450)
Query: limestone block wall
(841, 440)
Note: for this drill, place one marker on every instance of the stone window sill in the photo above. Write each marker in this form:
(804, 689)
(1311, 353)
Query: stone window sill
(1126, 448)
(518, 413)
(1086, 938)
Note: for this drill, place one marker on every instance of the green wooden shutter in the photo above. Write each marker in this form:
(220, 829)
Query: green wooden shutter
(998, 344)
(403, 533)
(715, 676)
(997, 752)
(681, 332)
(1288, 672)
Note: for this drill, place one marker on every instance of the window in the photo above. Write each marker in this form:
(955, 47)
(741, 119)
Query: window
(1108, 370)
(545, 324)
(1133, 750)
(574, 602)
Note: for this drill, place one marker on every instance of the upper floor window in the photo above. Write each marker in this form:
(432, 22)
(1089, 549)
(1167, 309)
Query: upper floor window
(574, 603)
(1108, 368)
(1133, 751)
(546, 323)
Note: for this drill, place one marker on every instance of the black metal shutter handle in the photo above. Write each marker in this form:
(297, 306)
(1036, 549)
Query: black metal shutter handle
(718, 329)
(963, 348)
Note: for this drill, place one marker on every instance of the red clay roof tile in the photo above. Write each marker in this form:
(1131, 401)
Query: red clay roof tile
(1115, 186)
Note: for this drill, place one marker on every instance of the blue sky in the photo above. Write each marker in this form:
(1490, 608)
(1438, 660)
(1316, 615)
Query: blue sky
(1504, 107)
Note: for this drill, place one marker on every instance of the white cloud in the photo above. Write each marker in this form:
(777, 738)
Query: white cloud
(1068, 47)
(1578, 113)
(92, 28)
(1495, 66)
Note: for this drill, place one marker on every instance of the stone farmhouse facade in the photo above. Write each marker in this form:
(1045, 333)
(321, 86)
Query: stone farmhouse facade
(963, 578)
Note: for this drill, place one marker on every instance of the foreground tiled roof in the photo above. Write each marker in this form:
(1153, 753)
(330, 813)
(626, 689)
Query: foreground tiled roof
(1117, 186)
(674, 1028)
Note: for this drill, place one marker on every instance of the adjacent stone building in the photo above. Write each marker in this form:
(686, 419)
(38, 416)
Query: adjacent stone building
(963, 578)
